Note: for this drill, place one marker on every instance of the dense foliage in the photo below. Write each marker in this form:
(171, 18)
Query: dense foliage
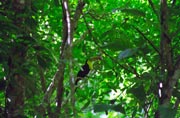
(41, 51)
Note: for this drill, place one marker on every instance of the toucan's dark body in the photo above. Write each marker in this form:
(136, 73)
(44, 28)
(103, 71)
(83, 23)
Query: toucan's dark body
(83, 72)
(86, 68)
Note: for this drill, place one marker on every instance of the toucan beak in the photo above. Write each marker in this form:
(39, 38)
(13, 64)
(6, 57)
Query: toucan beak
(96, 58)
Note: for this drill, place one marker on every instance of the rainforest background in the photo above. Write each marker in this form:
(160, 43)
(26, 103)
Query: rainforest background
(44, 43)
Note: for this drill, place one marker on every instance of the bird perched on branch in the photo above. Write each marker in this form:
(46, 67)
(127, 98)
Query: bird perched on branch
(83, 72)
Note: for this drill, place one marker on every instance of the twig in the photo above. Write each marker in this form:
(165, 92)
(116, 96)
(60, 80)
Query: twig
(69, 27)
(153, 8)
(43, 80)
(97, 44)
(176, 105)
(151, 44)
(81, 38)
(78, 13)
(67, 37)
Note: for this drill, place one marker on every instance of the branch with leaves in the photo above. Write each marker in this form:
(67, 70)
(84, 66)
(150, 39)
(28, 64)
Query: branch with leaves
(125, 67)
(150, 43)
(153, 8)
(65, 54)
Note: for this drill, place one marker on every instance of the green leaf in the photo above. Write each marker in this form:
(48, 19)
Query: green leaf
(176, 93)
(108, 63)
(4, 19)
(127, 53)
(43, 61)
(87, 1)
(167, 112)
(56, 3)
(118, 44)
(138, 92)
(101, 107)
(109, 74)
(118, 108)
(85, 105)
(135, 12)
(98, 1)
(31, 22)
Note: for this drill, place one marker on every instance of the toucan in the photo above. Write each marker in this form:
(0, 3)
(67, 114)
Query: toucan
(83, 72)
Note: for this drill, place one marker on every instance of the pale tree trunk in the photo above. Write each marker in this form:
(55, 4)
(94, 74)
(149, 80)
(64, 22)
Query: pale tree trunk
(65, 56)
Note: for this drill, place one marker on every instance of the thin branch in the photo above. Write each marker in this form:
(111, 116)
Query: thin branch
(82, 37)
(68, 31)
(59, 75)
(43, 80)
(53, 84)
(70, 94)
(176, 105)
(153, 8)
(97, 17)
(78, 13)
(67, 38)
(151, 43)
(125, 67)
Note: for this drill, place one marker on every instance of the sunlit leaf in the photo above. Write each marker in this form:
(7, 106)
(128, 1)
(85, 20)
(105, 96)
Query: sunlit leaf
(101, 107)
(85, 105)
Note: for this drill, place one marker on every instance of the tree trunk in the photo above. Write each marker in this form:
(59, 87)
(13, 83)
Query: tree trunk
(15, 90)
(169, 71)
